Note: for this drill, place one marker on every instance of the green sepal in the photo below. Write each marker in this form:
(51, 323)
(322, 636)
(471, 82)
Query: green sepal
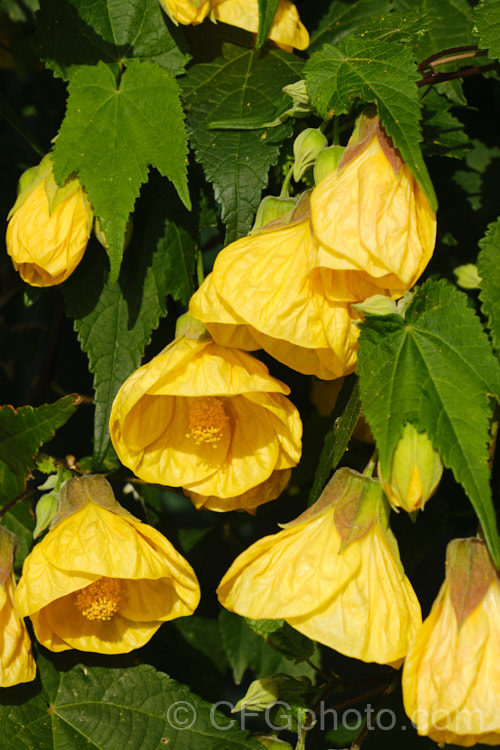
(77, 492)
(8, 546)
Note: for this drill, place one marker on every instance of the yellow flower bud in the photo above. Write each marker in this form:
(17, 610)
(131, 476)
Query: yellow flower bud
(16, 660)
(370, 213)
(334, 574)
(210, 420)
(451, 676)
(49, 227)
(415, 472)
(101, 580)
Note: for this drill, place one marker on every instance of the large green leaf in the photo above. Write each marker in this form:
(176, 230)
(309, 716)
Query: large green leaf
(488, 263)
(379, 72)
(241, 84)
(105, 125)
(22, 432)
(87, 31)
(110, 709)
(344, 16)
(487, 26)
(436, 369)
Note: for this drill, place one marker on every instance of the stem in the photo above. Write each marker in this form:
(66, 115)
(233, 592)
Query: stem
(336, 138)
(361, 736)
(285, 189)
(449, 51)
(319, 671)
(23, 496)
(452, 58)
(370, 466)
(432, 76)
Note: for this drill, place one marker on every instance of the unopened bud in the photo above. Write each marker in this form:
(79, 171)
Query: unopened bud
(191, 328)
(271, 209)
(306, 149)
(467, 276)
(415, 471)
(327, 161)
(260, 695)
(273, 743)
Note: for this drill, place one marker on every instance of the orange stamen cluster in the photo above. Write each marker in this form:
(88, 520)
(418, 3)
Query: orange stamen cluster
(100, 600)
(207, 420)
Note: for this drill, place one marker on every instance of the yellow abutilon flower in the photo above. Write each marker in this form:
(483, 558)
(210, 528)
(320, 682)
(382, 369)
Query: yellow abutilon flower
(49, 227)
(451, 676)
(333, 574)
(101, 580)
(16, 660)
(370, 213)
(211, 420)
(261, 294)
(186, 11)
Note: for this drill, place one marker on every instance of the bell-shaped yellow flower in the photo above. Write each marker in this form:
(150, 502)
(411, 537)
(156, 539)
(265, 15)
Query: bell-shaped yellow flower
(287, 30)
(261, 294)
(210, 420)
(451, 676)
(333, 574)
(101, 580)
(415, 471)
(16, 660)
(370, 213)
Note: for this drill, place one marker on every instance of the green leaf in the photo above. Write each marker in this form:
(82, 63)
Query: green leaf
(488, 265)
(450, 24)
(436, 370)
(203, 634)
(241, 84)
(246, 650)
(22, 432)
(110, 709)
(281, 636)
(179, 251)
(377, 72)
(487, 25)
(267, 11)
(342, 423)
(343, 17)
(84, 32)
(396, 27)
(104, 125)
(21, 521)
(444, 134)
(114, 322)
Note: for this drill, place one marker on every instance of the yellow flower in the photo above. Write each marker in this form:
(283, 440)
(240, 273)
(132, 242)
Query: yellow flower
(101, 580)
(371, 214)
(333, 574)
(208, 419)
(16, 660)
(49, 227)
(287, 30)
(261, 294)
(451, 676)
(415, 471)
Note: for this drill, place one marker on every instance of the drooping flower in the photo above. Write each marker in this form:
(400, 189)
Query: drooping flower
(415, 471)
(101, 580)
(333, 574)
(287, 30)
(451, 676)
(370, 213)
(262, 294)
(49, 226)
(16, 660)
(211, 420)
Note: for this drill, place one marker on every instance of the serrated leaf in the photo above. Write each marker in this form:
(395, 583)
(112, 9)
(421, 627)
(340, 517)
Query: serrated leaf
(110, 709)
(83, 32)
(246, 650)
(375, 72)
(435, 369)
(343, 17)
(488, 265)
(180, 255)
(450, 24)
(267, 11)
(395, 27)
(22, 432)
(487, 25)
(281, 636)
(342, 423)
(444, 134)
(114, 322)
(241, 84)
(105, 125)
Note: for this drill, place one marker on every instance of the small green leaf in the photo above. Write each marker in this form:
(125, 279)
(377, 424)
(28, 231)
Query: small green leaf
(375, 72)
(436, 370)
(444, 134)
(22, 432)
(242, 84)
(488, 264)
(487, 25)
(267, 11)
(281, 636)
(110, 709)
(104, 125)
(87, 32)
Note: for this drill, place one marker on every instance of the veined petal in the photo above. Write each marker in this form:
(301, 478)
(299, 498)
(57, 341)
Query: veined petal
(262, 493)
(291, 573)
(160, 599)
(285, 420)
(16, 660)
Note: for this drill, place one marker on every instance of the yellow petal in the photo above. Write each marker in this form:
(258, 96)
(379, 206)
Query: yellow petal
(286, 28)
(262, 493)
(285, 421)
(16, 660)
(185, 11)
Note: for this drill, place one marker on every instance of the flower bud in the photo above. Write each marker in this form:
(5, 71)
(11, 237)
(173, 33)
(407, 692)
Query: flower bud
(306, 149)
(260, 695)
(273, 743)
(415, 471)
(327, 161)
(272, 208)
(49, 226)
(467, 276)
